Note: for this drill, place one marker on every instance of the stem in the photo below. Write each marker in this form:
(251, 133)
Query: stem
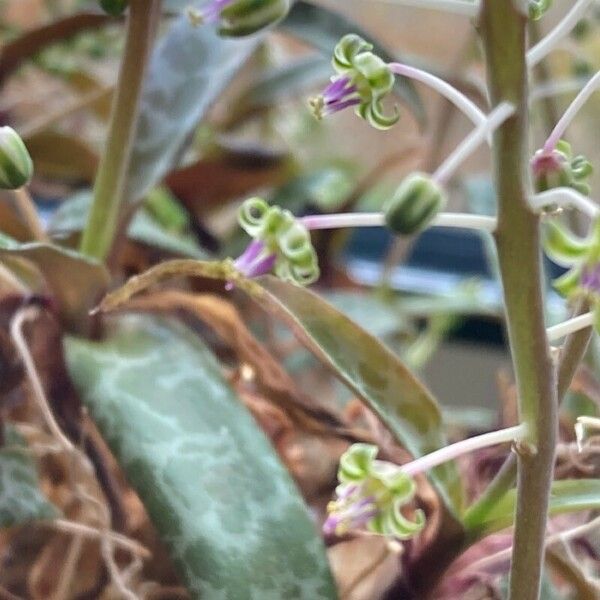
(472, 142)
(564, 197)
(429, 461)
(590, 87)
(342, 221)
(469, 108)
(575, 324)
(100, 229)
(29, 214)
(572, 353)
(518, 242)
(543, 48)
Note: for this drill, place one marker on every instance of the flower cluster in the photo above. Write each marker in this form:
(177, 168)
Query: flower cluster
(363, 80)
(370, 497)
(558, 167)
(582, 255)
(280, 243)
(237, 18)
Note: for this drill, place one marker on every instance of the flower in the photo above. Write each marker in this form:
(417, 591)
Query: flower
(16, 167)
(363, 80)
(280, 243)
(236, 18)
(582, 255)
(557, 167)
(370, 497)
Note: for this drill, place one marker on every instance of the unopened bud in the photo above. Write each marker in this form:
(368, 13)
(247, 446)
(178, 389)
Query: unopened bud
(416, 202)
(16, 167)
(537, 8)
(114, 7)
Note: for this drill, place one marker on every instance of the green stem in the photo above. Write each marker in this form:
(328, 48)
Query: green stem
(518, 242)
(101, 226)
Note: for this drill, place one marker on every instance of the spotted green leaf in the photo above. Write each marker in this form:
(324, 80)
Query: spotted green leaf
(213, 486)
(21, 499)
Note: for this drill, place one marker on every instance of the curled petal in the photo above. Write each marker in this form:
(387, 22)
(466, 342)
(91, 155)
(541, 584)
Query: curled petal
(252, 215)
(356, 462)
(347, 49)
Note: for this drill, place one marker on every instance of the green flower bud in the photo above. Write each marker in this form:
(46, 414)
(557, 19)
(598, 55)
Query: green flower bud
(558, 168)
(114, 7)
(537, 8)
(237, 18)
(416, 202)
(16, 166)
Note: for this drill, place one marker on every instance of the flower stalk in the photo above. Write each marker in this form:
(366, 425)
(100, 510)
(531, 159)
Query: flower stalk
(518, 243)
(591, 86)
(101, 226)
(577, 323)
(469, 108)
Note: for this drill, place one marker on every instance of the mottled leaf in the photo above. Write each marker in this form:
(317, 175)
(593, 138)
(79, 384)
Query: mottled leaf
(219, 497)
(322, 28)
(361, 361)
(568, 495)
(21, 499)
(188, 71)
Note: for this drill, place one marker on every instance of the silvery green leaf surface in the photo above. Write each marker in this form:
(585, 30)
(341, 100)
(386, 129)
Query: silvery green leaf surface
(230, 514)
(21, 499)
(189, 69)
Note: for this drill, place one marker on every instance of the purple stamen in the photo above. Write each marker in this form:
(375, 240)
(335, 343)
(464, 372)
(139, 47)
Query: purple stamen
(212, 11)
(338, 95)
(590, 279)
(261, 267)
(255, 247)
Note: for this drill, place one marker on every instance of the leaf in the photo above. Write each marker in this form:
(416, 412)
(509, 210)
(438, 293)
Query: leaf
(371, 370)
(215, 490)
(57, 155)
(323, 28)
(21, 499)
(26, 46)
(72, 215)
(378, 318)
(188, 71)
(566, 496)
(75, 281)
(364, 364)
